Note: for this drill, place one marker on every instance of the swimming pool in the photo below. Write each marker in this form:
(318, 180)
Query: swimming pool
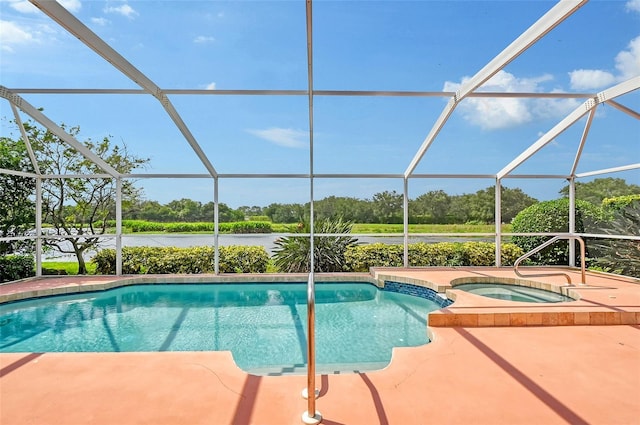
(262, 324)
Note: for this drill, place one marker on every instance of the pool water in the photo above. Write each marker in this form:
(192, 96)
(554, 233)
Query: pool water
(263, 325)
(513, 292)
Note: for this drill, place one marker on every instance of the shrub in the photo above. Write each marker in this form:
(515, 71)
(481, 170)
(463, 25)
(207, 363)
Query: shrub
(361, 258)
(552, 217)
(15, 267)
(251, 227)
(619, 203)
(243, 259)
(182, 227)
(136, 226)
(292, 254)
(166, 260)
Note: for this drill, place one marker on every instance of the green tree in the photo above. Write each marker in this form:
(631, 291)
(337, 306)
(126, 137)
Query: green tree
(460, 210)
(78, 208)
(285, 213)
(17, 209)
(226, 214)
(514, 201)
(250, 211)
(187, 210)
(346, 208)
(599, 189)
(432, 207)
(388, 207)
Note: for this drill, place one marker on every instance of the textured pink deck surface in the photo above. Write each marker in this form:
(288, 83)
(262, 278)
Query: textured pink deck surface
(467, 375)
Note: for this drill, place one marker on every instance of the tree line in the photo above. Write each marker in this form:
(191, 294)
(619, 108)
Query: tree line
(433, 207)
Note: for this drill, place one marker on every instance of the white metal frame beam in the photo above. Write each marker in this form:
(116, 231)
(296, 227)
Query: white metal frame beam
(339, 93)
(546, 23)
(583, 141)
(611, 93)
(623, 108)
(74, 26)
(34, 113)
(609, 170)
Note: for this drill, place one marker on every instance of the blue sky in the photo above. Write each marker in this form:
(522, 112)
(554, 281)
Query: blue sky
(358, 45)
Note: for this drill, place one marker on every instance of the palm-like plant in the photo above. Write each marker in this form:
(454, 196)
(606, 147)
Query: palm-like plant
(292, 253)
(621, 256)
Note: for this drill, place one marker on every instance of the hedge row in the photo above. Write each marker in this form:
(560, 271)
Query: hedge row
(254, 259)
(167, 260)
(136, 226)
(362, 257)
(15, 267)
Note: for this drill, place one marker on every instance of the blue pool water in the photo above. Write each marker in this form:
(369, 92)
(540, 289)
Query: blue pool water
(263, 325)
(513, 292)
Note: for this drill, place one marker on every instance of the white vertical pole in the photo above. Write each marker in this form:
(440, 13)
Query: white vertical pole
(311, 416)
(406, 222)
(498, 221)
(572, 221)
(38, 226)
(216, 248)
(118, 226)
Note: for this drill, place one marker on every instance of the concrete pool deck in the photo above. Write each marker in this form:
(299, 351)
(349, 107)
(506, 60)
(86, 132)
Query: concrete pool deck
(515, 373)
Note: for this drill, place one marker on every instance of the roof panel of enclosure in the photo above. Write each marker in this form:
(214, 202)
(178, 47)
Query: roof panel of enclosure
(437, 89)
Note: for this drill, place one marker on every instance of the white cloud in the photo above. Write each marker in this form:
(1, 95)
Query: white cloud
(100, 21)
(632, 6)
(554, 108)
(124, 10)
(23, 6)
(71, 5)
(210, 86)
(286, 137)
(496, 113)
(627, 65)
(12, 35)
(628, 61)
(587, 79)
(201, 39)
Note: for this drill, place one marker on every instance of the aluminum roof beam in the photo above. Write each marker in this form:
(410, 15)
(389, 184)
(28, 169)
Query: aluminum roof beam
(25, 138)
(583, 141)
(604, 96)
(546, 23)
(624, 109)
(34, 113)
(18, 173)
(610, 170)
(69, 22)
(344, 93)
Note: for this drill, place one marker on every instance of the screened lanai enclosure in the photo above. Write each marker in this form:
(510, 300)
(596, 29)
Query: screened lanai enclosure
(290, 102)
(253, 103)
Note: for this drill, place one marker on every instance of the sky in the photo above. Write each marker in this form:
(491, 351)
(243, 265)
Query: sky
(357, 45)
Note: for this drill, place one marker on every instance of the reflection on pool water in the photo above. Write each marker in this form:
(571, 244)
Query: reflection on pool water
(513, 292)
(263, 325)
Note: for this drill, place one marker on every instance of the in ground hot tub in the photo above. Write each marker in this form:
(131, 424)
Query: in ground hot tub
(510, 290)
